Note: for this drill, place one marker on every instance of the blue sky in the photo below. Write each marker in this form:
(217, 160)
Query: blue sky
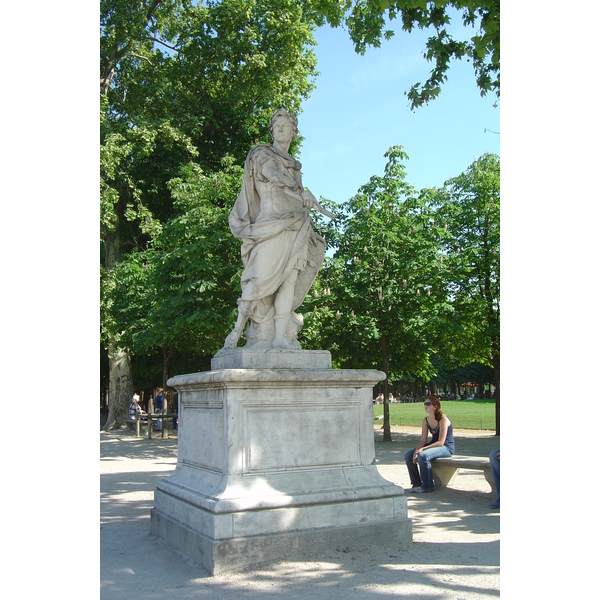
(358, 110)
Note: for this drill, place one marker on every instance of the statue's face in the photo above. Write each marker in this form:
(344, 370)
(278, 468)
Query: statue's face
(283, 130)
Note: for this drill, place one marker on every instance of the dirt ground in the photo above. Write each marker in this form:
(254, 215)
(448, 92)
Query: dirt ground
(455, 551)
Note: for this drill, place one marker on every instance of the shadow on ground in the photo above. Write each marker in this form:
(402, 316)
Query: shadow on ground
(456, 552)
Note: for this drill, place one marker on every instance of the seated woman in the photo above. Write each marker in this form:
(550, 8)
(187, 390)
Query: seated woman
(441, 445)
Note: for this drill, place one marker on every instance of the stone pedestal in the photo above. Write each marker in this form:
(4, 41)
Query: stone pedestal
(273, 462)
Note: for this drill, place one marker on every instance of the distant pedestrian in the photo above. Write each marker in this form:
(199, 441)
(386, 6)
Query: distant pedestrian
(135, 410)
(158, 407)
(418, 460)
(495, 464)
(173, 403)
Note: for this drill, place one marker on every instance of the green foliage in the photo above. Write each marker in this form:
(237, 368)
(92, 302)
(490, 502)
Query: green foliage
(134, 169)
(186, 89)
(180, 293)
(128, 298)
(216, 71)
(473, 372)
(412, 287)
(385, 284)
(366, 21)
(470, 207)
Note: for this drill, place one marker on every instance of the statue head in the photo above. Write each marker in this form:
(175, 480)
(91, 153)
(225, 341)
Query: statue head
(284, 114)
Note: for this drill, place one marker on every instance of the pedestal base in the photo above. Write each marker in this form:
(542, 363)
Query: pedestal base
(219, 556)
(275, 462)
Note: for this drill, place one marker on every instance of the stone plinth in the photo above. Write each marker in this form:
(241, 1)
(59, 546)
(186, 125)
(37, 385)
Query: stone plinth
(240, 358)
(273, 462)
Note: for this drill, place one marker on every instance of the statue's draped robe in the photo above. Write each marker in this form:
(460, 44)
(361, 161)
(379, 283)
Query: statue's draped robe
(273, 243)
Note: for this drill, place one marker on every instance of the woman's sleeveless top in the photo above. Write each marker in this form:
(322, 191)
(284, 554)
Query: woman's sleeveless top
(435, 436)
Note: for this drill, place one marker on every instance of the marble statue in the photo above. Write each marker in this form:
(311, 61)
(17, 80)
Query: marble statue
(281, 253)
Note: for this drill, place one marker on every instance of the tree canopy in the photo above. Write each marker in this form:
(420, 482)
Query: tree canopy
(214, 70)
(180, 293)
(184, 86)
(367, 22)
(388, 273)
(412, 287)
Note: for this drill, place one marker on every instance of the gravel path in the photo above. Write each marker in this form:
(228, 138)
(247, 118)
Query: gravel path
(455, 551)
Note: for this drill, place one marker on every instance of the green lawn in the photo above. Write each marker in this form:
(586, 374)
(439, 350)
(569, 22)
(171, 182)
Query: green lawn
(464, 414)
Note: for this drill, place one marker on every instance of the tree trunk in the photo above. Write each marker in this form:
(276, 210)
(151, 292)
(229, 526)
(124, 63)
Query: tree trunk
(496, 363)
(387, 432)
(166, 357)
(120, 381)
(120, 387)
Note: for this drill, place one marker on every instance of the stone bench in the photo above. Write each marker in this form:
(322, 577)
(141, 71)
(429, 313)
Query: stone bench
(445, 469)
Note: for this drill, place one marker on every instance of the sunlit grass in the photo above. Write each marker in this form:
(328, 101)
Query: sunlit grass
(464, 414)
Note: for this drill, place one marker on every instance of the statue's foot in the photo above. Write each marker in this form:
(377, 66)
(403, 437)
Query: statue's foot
(281, 343)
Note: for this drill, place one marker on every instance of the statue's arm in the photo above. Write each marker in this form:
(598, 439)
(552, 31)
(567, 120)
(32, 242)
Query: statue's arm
(308, 199)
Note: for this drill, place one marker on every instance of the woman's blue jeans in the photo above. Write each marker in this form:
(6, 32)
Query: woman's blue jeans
(425, 479)
(495, 464)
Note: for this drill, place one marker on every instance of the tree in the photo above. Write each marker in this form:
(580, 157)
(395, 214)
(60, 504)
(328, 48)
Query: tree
(182, 81)
(470, 206)
(366, 20)
(179, 294)
(216, 71)
(384, 289)
(134, 166)
(413, 284)
(472, 372)
(128, 31)
(197, 267)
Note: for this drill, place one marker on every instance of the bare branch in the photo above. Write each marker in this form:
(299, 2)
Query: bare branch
(163, 43)
(142, 58)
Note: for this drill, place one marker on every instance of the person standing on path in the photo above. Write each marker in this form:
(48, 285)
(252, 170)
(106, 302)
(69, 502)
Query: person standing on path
(495, 464)
(158, 407)
(441, 445)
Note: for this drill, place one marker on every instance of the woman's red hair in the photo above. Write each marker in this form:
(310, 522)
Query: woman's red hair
(438, 407)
